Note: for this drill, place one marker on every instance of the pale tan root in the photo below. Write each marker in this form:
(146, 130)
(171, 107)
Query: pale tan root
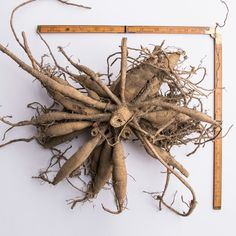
(53, 85)
(77, 159)
(136, 80)
(52, 142)
(93, 162)
(93, 95)
(88, 83)
(166, 157)
(58, 116)
(194, 114)
(193, 201)
(119, 175)
(123, 68)
(94, 76)
(159, 118)
(170, 160)
(66, 128)
(95, 157)
(150, 89)
(104, 169)
(73, 105)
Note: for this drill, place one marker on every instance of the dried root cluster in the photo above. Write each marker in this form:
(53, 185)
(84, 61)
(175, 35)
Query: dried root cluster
(153, 100)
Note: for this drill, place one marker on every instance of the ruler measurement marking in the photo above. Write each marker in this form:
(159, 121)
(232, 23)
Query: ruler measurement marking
(123, 29)
(217, 175)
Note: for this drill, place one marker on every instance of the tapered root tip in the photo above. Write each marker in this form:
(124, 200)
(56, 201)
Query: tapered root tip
(112, 212)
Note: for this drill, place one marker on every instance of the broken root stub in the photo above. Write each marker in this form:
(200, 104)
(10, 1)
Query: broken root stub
(120, 117)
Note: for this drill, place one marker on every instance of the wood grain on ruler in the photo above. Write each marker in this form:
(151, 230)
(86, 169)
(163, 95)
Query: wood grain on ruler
(169, 29)
(217, 179)
(124, 29)
(81, 29)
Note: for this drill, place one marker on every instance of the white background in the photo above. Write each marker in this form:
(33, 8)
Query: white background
(28, 208)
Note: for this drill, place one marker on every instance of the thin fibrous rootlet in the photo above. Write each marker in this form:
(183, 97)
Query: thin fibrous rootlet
(133, 107)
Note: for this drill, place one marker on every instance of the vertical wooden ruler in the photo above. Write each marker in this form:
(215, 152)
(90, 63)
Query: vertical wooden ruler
(217, 178)
(217, 175)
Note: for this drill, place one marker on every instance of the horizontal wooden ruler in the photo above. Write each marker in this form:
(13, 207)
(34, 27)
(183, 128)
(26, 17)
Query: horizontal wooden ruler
(124, 29)
(217, 175)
